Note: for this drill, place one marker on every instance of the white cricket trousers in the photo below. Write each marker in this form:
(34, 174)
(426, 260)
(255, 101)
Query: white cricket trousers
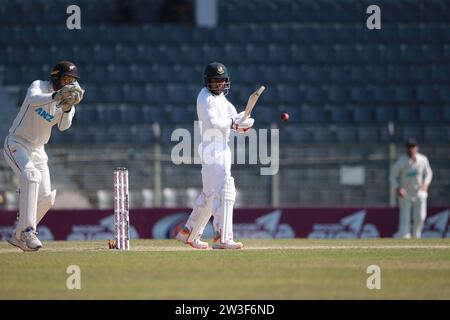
(419, 210)
(21, 156)
(215, 172)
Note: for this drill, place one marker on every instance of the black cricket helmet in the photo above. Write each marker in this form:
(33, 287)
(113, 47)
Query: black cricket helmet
(65, 68)
(61, 69)
(216, 70)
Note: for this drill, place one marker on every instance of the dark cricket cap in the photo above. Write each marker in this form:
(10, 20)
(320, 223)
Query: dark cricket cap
(411, 142)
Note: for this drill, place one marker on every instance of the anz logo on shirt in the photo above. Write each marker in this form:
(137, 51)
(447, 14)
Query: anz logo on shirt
(44, 114)
(412, 173)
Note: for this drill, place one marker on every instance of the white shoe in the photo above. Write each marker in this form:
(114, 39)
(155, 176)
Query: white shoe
(29, 237)
(199, 244)
(183, 236)
(19, 243)
(228, 245)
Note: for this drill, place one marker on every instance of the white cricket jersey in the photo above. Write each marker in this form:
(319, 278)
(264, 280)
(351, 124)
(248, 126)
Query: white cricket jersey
(214, 112)
(38, 115)
(410, 174)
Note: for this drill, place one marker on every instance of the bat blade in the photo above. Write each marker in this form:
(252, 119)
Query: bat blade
(252, 101)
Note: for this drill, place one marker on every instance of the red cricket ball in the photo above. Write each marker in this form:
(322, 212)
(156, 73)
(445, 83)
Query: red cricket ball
(284, 116)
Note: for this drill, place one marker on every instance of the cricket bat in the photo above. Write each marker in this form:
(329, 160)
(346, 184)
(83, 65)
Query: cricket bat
(252, 101)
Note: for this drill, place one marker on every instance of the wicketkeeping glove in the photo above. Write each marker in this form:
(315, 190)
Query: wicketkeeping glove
(68, 96)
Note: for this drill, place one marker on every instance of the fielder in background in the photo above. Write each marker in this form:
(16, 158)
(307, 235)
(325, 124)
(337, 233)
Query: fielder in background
(47, 103)
(217, 117)
(412, 175)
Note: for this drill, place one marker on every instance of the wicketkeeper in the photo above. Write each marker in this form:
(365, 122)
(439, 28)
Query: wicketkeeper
(412, 175)
(47, 103)
(217, 117)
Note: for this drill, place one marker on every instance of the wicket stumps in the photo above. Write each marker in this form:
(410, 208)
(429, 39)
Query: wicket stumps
(121, 209)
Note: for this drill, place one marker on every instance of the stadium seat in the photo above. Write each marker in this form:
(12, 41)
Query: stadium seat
(316, 75)
(368, 134)
(339, 114)
(432, 53)
(86, 115)
(432, 33)
(110, 114)
(392, 54)
(398, 73)
(404, 94)
(323, 134)
(362, 114)
(107, 94)
(411, 53)
(436, 134)
(384, 113)
(301, 54)
(154, 94)
(101, 135)
(368, 54)
(325, 53)
(131, 114)
(407, 114)
(360, 94)
(315, 114)
(313, 94)
(379, 74)
(383, 94)
(430, 113)
(446, 113)
(359, 74)
(289, 94)
(408, 33)
(406, 132)
(444, 93)
(122, 135)
(278, 54)
(420, 74)
(338, 75)
(426, 94)
(133, 93)
(66, 137)
(144, 134)
(267, 114)
(343, 54)
(346, 134)
(82, 136)
(300, 135)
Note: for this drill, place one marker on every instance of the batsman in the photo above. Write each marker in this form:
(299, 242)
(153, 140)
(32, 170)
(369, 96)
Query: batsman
(217, 117)
(46, 104)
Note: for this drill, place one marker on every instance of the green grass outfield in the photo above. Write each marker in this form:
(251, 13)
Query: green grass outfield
(265, 269)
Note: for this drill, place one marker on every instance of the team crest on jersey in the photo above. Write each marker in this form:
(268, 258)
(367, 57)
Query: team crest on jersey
(44, 114)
